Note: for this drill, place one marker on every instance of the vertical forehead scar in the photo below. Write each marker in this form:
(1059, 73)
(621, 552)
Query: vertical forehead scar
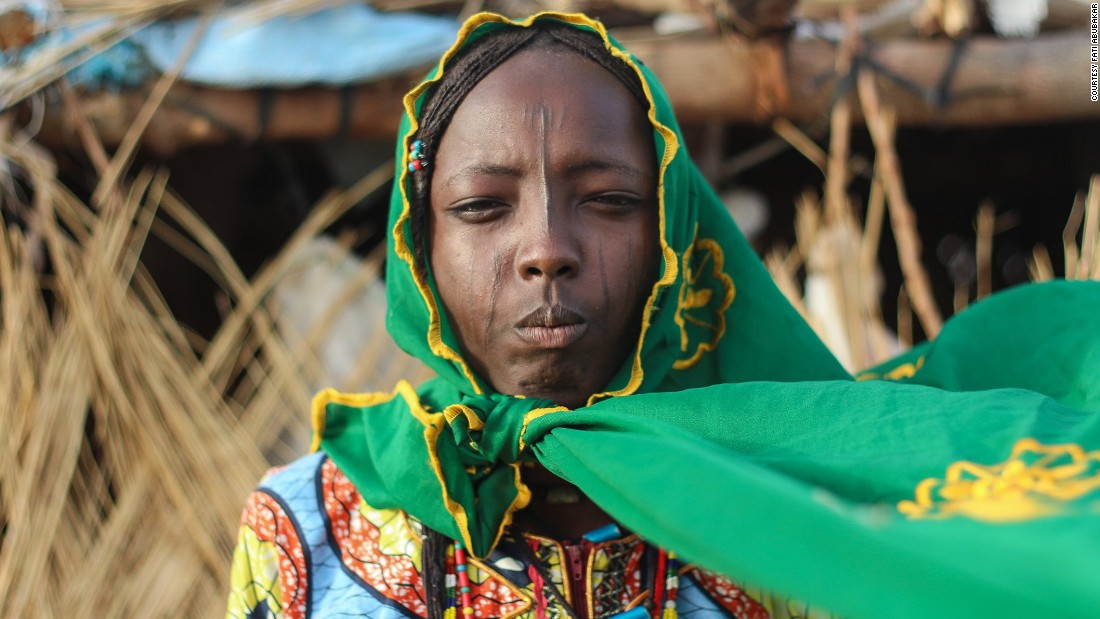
(542, 115)
(544, 167)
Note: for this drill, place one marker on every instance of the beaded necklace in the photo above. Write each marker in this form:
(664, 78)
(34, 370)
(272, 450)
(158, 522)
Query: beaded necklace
(463, 580)
(666, 584)
(449, 582)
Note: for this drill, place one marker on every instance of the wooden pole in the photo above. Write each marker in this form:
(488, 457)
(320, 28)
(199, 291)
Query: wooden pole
(997, 82)
(192, 115)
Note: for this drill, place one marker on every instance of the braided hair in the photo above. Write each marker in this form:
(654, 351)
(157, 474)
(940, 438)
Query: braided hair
(472, 63)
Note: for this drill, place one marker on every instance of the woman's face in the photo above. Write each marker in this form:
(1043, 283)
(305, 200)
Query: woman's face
(543, 226)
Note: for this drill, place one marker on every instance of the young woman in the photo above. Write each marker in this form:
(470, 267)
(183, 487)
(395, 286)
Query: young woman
(620, 382)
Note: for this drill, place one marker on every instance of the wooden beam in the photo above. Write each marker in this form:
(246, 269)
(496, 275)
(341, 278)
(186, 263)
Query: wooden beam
(996, 82)
(192, 115)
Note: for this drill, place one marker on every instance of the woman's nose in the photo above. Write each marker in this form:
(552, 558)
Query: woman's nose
(548, 251)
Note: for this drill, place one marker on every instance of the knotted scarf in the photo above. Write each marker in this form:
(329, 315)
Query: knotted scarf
(731, 435)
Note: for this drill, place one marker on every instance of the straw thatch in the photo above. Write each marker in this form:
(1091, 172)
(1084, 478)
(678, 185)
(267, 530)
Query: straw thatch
(127, 455)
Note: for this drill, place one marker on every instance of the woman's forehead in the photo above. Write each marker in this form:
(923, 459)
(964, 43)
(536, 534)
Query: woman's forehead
(549, 89)
(549, 71)
(570, 109)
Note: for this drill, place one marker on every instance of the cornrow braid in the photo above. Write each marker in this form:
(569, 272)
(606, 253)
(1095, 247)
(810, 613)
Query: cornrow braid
(475, 61)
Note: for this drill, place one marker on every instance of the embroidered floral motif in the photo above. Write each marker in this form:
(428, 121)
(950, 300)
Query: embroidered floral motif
(1037, 480)
(705, 295)
(901, 372)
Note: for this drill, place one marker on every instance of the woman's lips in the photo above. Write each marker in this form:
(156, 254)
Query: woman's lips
(559, 336)
(551, 326)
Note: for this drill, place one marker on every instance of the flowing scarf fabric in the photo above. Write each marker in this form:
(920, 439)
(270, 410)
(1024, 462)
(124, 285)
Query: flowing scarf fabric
(731, 435)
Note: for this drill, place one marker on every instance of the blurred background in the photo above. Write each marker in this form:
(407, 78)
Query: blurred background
(193, 197)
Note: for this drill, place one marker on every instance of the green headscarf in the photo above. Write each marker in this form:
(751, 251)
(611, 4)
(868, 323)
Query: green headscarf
(732, 436)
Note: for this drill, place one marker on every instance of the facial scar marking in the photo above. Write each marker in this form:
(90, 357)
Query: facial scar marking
(603, 283)
(545, 119)
(630, 268)
(498, 274)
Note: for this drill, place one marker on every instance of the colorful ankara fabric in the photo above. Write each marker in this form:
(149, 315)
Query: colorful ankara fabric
(732, 437)
(310, 547)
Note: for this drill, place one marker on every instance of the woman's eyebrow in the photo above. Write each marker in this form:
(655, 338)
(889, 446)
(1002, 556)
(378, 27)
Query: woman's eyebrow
(601, 165)
(484, 169)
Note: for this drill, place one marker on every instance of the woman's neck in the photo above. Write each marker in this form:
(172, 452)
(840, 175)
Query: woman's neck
(558, 509)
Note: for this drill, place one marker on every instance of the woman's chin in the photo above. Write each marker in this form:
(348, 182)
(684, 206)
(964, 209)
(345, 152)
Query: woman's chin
(563, 394)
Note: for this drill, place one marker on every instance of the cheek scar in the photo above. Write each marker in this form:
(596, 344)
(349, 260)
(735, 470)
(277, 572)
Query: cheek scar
(498, 274)
(606, 288)
(631, 278)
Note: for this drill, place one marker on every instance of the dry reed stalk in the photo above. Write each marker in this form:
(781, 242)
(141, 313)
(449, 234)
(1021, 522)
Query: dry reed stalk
(801, 142)
(21, 81)
(783, 264)
(902, 219)
(984, 225)
(840, 299)
(1069, 236)
(120, 162)
(93, 146)
(266, 404)
(115, 7)
(217, 359)
(253, 13)
(1089, 265)
(1040, 268)
(1082, 261)
(836, 251)
(872, 226)
(961, 298)
(905, 318)
(882, 344)
(827, 256)
(124, 351)
(840, 296)
(840, 127)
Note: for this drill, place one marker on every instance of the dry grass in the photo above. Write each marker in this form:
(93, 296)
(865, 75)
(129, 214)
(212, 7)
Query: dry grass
(1082, 258)
(126, 455)
(832, 275)
(841, 286)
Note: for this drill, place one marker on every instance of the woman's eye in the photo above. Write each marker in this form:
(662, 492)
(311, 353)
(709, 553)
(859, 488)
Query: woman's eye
(476, 211)
(616, 202)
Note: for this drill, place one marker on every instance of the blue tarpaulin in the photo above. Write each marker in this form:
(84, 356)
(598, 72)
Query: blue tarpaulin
(333, 46)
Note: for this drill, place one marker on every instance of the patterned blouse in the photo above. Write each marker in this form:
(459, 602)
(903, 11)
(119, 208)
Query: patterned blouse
(309, 546)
